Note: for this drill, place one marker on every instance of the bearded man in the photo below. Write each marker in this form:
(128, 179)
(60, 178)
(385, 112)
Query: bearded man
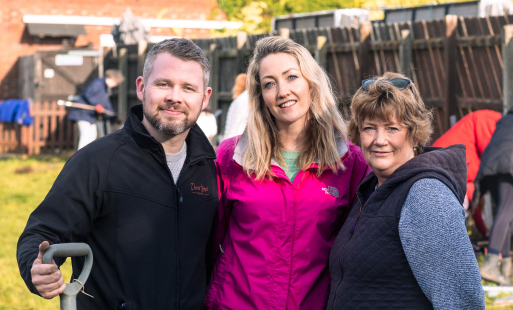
(143, 198)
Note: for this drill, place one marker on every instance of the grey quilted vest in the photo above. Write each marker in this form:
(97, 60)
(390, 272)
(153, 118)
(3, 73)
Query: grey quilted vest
(368, 267)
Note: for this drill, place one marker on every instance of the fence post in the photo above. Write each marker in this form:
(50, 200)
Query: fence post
(450, 103)
(405, 53)
(507, 71)
(242, 39)
(363, 50)
(285, 33)
(321, 52)
(122, 87)
(141, 56)
(214, 77)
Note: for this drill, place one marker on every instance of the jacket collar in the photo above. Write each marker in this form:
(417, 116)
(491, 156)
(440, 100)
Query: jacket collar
(242, 147)
(198, 146)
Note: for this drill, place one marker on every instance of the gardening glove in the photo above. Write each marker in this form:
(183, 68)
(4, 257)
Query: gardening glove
(47, 278)
(99, 108)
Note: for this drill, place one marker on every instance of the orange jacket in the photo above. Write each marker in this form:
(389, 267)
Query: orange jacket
(474, 131)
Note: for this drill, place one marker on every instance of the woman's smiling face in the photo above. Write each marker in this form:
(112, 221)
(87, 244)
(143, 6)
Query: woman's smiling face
(386, 145)
(284, 89)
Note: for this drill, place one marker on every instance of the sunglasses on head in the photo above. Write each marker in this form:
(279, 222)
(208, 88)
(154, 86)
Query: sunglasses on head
(397, 82)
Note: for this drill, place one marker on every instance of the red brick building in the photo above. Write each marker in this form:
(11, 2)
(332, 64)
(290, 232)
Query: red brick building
(17, 41)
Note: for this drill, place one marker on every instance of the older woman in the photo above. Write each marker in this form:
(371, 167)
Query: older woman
(285, 187)
(404, 244)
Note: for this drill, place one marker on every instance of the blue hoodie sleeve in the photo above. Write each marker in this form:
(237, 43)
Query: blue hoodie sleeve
(435, 241)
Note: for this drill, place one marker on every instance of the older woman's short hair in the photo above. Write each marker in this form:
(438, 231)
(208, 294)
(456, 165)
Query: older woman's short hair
(384, 101)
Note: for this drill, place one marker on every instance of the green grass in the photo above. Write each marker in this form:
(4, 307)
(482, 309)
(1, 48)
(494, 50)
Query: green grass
(23, 185)
(20, 193)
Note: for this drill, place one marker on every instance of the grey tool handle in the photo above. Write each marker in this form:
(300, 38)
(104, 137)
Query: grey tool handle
(69, 296)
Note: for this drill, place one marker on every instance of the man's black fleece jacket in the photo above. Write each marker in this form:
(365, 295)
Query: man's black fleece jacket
(149, 237)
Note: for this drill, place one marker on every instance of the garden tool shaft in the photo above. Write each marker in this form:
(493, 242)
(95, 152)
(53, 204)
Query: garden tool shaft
(82, 106)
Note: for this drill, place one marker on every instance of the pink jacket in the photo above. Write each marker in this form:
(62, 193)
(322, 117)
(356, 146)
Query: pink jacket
(273, 238)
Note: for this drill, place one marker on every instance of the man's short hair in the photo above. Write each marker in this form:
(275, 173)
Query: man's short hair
(180, 48)
(114, 75)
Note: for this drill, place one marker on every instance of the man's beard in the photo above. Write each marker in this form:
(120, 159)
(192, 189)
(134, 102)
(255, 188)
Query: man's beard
(171, 128)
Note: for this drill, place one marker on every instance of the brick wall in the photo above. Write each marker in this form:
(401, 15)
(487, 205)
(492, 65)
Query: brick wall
(16, 42)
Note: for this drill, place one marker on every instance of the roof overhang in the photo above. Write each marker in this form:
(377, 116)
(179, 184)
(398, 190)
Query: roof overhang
(110, 21)
(55, 30)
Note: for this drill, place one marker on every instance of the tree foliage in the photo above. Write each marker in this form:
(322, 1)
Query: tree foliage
(256, 15)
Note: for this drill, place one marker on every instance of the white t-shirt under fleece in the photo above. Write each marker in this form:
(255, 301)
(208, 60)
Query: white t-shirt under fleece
(175, 162)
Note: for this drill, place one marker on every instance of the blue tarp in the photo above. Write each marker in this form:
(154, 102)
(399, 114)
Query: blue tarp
(16, 111)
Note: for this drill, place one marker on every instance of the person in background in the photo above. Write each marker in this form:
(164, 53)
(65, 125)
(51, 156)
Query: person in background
(404, 244)
(285, 187)
(474, 131)
(237, 116)
(97, 95)
(496, 175)
(208, 123)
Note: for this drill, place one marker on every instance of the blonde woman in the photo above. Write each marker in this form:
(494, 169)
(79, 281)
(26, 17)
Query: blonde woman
(285, 187)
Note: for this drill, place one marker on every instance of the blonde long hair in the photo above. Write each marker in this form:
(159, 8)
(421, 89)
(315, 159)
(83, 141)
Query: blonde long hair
(325, 124)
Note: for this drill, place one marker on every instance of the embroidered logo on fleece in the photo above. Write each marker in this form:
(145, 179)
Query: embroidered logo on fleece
(330, 190)
(199, 189)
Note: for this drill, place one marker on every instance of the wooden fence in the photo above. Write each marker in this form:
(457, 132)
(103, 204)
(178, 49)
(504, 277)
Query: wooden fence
(456, 62)
(51, 132)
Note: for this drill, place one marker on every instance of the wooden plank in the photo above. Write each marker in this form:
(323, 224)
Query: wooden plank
(52, 107)
(37, 128)
(227, 53)
(485, 67)
(45, 126)
(476, 73)
(321, 52)
(434, 102)
(450, 108)
(224, 96)
(480, 103)
(494, 68)
(479, 41)
(25, 136)
(336, 68)
(406, 53)
(363, 50)
(349, 62)
(465, 62)
(123, 86)
(343, 47)
(434, 63)
(61, 121)
(507, 72)
(242, 49)
(375, 56)
(214, 80)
